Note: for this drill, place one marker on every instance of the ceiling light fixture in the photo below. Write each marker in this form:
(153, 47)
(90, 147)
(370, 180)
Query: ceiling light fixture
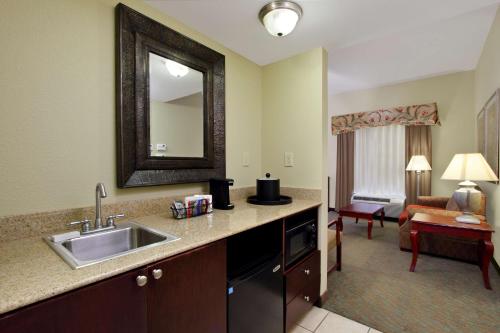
(280, 17)
(176, 69)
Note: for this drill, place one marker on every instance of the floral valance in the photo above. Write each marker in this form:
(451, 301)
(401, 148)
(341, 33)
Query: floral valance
(425, 114)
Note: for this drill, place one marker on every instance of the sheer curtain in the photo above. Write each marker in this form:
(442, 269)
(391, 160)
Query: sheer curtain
(379, 161)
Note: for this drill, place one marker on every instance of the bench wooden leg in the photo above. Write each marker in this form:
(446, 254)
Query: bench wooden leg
(370, 227)
(339, 257)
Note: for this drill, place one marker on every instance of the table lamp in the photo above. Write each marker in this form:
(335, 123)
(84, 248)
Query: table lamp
(418, 163)
(468, 167)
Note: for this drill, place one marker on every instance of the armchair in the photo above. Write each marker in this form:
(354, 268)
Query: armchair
(441, 245)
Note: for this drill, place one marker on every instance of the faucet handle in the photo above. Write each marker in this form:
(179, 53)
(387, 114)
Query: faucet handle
(85, 224)
(110, 220)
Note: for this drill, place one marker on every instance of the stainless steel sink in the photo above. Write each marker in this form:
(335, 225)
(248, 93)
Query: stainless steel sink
(94, 248)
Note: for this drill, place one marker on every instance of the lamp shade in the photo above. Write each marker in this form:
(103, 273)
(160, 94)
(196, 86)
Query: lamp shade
(469, 167)
(280, 22)
(418, 163)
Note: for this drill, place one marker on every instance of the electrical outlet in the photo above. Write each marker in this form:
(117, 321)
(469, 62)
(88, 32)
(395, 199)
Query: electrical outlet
(289, 159)
(161, 146)
(246, 159)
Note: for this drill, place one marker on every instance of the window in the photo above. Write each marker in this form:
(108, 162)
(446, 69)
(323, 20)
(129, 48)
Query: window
(379, 161)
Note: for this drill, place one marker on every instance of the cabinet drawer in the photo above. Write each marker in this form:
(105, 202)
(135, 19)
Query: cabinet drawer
(302, 275)
(302, 303)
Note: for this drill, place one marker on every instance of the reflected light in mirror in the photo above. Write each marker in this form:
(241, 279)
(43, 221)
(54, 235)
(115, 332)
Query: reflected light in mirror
(176, 69)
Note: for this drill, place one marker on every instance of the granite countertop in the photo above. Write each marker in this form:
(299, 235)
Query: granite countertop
(31, 271)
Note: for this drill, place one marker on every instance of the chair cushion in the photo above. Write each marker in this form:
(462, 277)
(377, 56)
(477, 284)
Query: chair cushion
(437, 211)
(410, 210)
(332, 239)
(413, 209)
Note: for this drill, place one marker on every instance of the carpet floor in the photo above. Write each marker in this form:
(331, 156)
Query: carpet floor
(375, 287)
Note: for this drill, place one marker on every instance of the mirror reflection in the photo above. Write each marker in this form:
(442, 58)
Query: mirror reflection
(175, 109)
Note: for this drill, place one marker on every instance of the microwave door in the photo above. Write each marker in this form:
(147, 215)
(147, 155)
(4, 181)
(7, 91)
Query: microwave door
(297, 244)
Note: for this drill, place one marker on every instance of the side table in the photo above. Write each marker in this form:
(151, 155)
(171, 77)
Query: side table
(447, 225)
(366, 211)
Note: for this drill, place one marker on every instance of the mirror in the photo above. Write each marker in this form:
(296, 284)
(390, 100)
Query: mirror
(170, 105)
(175, 109)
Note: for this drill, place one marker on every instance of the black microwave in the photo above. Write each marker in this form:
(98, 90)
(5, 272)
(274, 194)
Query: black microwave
(301, 236)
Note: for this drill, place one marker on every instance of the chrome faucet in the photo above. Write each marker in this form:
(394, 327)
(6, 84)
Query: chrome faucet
(100, 192)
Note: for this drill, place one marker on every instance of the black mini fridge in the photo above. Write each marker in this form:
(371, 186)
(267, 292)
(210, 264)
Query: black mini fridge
(255, 281)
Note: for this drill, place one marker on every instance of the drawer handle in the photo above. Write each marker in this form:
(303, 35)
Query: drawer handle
(307, 271)
(306, 298)
(157, 273)
(141, 280)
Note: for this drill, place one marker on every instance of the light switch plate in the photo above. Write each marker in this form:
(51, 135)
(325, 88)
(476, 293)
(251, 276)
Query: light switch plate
(246, 159)
(161, 146)
(289, 159)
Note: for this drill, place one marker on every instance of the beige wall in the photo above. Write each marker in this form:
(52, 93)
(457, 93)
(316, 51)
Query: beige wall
(243, 120)
(178, 124)
(454, 95)
(487, 80)
(294, 120)
(57, 125)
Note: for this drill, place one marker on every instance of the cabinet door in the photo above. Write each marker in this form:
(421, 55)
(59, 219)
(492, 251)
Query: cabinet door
(116, 305)
(190, 296)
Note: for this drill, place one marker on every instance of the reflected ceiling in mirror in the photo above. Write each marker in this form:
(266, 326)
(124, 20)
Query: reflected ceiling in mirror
(175, 109)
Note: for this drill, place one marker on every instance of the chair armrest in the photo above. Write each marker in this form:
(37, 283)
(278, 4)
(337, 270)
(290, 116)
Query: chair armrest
(431, 201)
(339, 225)
(403, 217)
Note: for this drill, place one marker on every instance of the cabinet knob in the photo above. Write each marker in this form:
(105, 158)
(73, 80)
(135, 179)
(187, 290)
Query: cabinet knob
(157, 273)
(307, 271)
(141, 280)
(306, 298)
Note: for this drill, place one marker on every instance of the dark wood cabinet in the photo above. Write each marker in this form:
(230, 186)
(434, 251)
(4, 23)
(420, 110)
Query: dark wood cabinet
(302, 284)
(302, 275)
(302, 303)
(190, 295)
(114, 305)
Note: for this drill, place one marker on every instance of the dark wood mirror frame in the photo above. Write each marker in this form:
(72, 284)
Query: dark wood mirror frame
(137, 36)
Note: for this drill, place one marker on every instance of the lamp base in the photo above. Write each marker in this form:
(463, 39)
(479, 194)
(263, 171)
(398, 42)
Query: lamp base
(468, 199)
(467, 218)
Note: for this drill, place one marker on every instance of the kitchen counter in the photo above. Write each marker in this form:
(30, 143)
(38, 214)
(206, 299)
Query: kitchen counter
(30, 271)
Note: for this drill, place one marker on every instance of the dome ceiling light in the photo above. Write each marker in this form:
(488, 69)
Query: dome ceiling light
(280, 17)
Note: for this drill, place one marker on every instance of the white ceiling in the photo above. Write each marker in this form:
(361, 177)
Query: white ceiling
(370, 42)
(165, 87)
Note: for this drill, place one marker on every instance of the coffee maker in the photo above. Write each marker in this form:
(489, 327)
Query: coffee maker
(219, 189)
